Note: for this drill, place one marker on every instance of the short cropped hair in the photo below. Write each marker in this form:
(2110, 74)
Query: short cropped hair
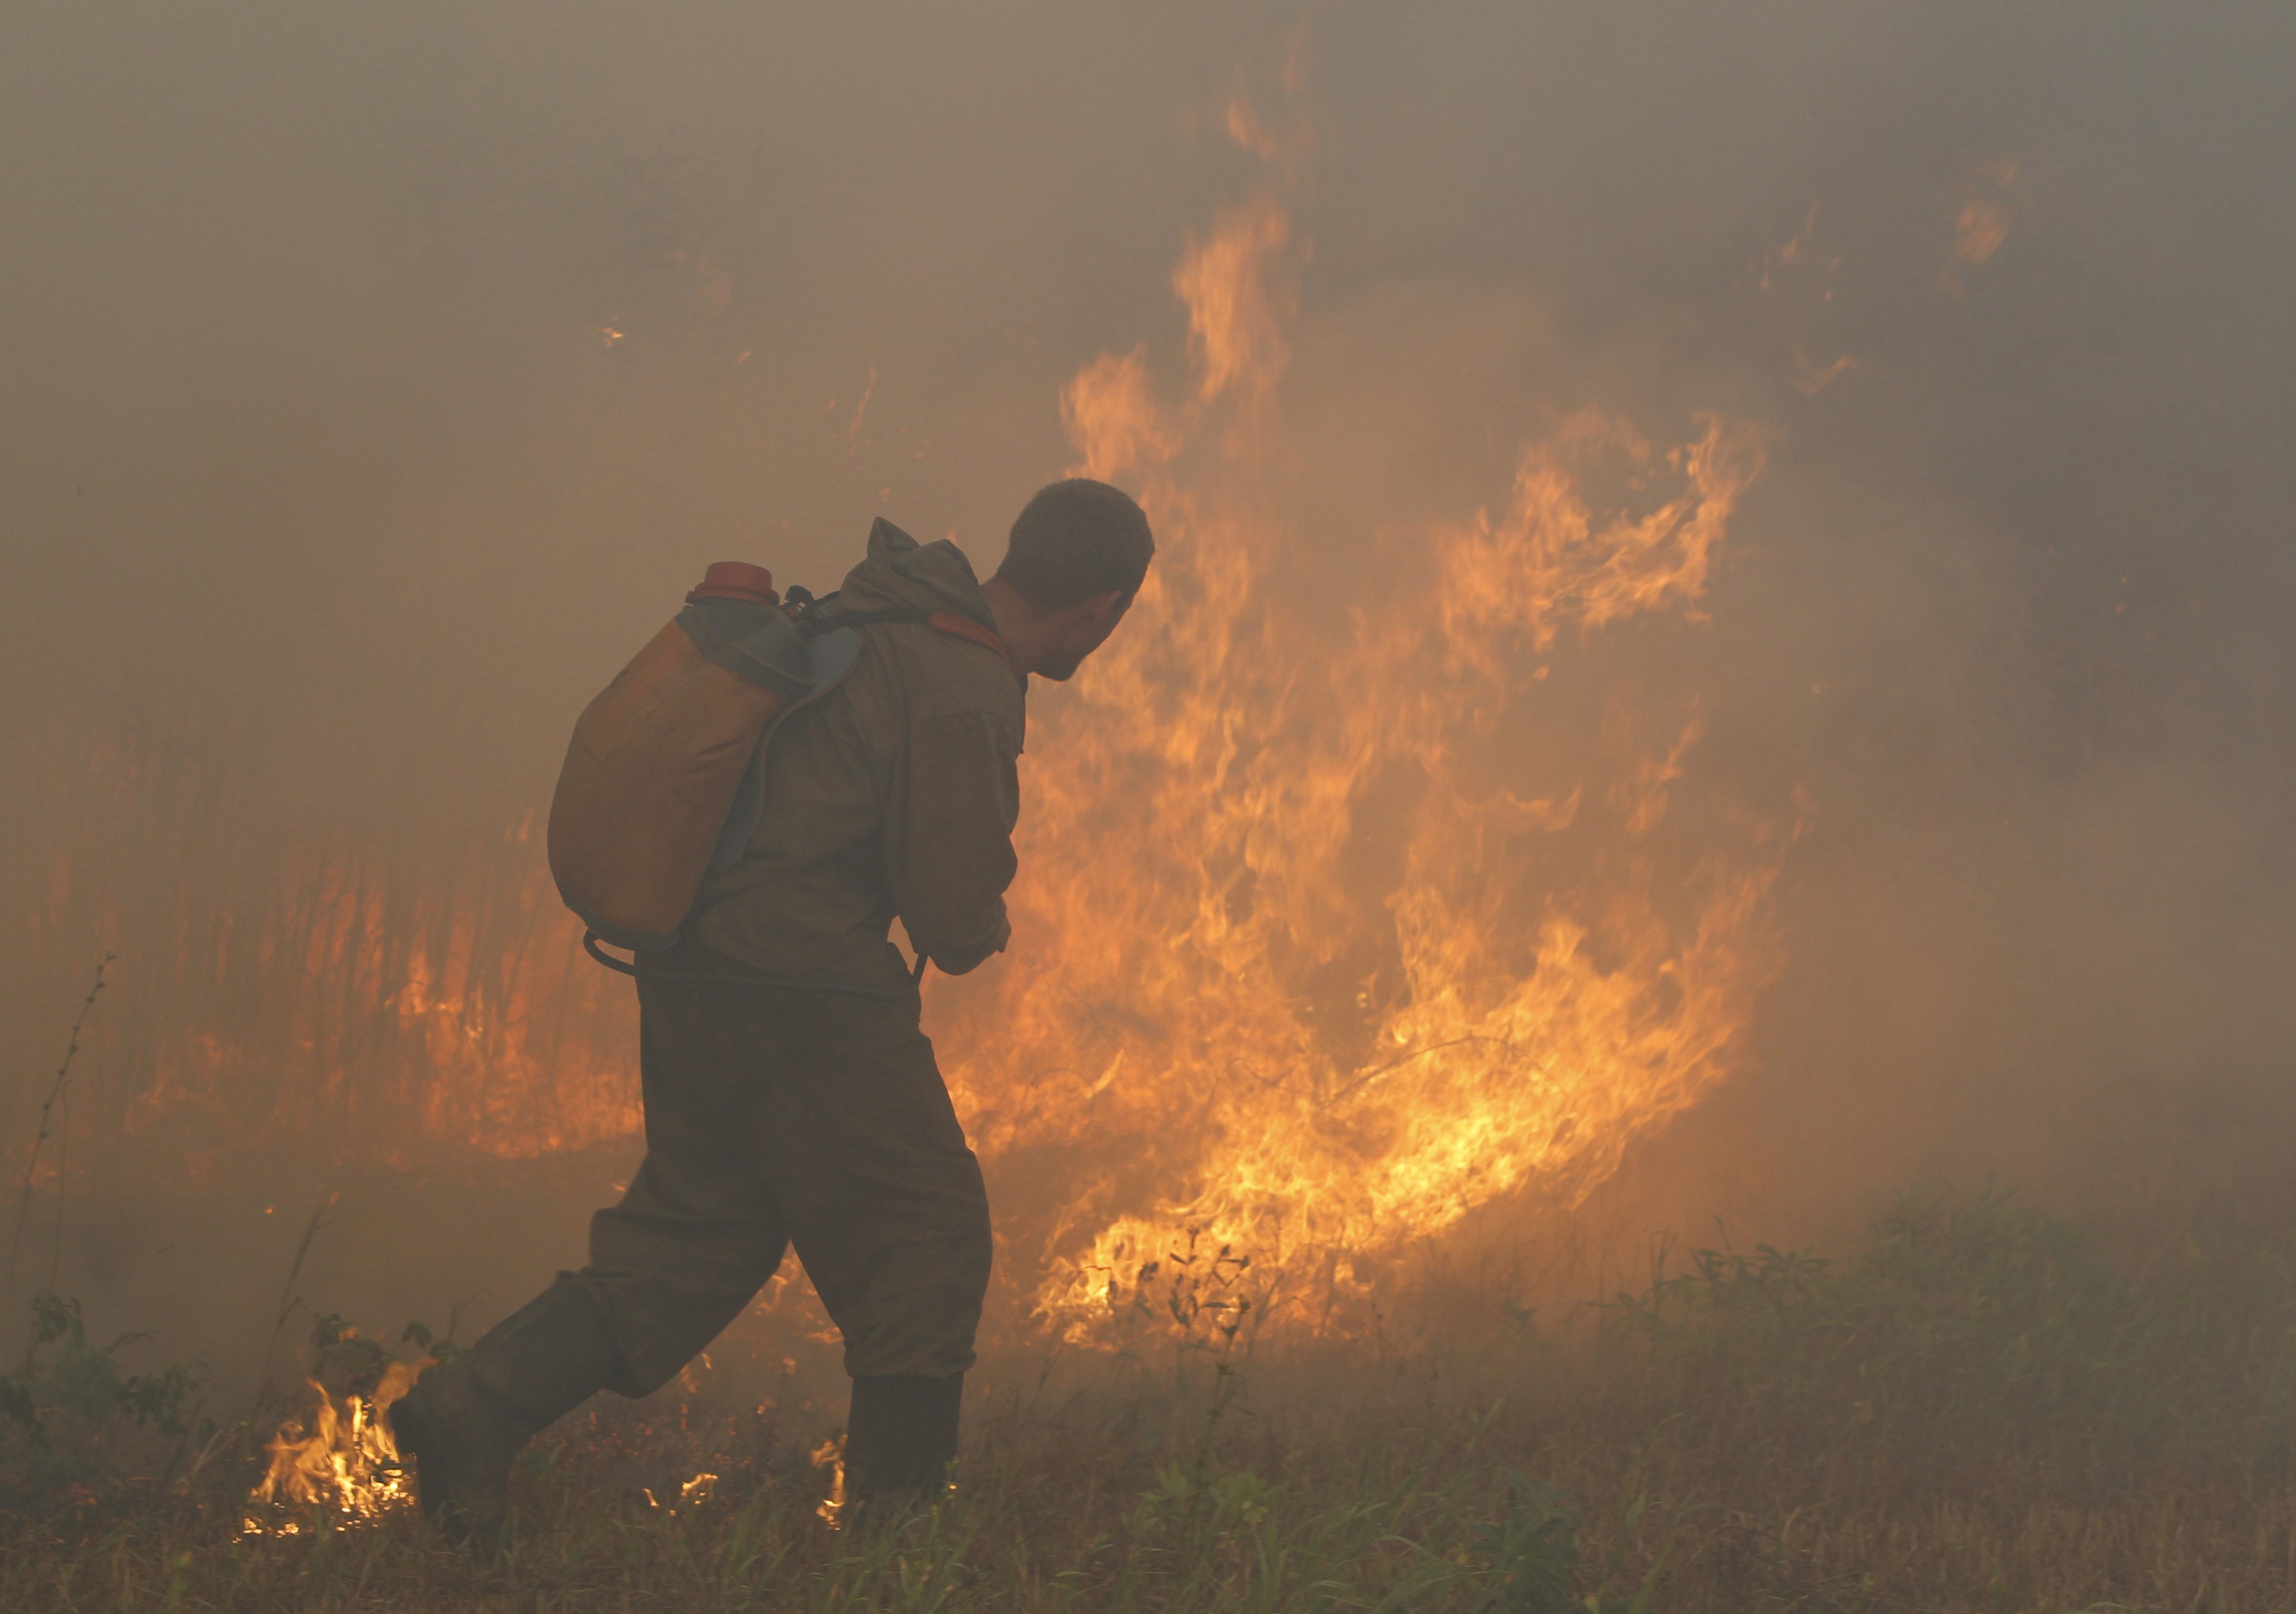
(1076, 539)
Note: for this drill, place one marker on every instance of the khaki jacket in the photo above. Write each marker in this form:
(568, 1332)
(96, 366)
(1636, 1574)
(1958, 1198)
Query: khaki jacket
(894, 796)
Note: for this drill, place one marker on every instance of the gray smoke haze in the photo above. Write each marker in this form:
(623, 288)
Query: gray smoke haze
(378, 379)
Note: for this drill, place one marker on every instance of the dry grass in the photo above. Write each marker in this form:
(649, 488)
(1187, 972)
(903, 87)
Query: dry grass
(1976, 1409)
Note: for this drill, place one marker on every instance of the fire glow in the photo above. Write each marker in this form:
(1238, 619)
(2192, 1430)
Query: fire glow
(339, 1462)
(1197, 817)
(1332, 928)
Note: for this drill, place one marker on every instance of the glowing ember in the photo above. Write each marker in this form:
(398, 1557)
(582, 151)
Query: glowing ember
(691, 1494)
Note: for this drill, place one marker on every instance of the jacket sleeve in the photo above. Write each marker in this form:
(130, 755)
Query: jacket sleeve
(954, 854)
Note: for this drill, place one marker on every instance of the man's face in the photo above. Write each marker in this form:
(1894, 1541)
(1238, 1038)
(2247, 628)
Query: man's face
(1089, 622)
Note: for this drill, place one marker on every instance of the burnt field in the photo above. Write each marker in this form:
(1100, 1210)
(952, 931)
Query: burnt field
(1974, 1406)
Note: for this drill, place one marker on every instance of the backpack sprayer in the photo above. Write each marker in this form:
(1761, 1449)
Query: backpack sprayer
(664, 781)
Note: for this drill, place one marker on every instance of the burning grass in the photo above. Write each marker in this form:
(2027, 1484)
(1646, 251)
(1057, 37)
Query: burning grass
(1377, 871)
(1975, 1408)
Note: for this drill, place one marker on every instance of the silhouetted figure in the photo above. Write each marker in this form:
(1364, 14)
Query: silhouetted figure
(791, 1097)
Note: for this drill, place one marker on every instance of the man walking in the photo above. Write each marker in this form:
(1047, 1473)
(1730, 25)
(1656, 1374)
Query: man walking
(791, 1097)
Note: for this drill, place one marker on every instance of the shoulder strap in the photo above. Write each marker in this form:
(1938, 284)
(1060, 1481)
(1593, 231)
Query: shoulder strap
(966, 627)
(826, 612)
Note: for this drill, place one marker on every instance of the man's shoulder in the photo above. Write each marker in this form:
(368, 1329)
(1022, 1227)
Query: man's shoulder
(933, 673)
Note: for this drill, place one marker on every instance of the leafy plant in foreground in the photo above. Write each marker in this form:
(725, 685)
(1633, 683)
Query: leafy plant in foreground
(74, 1424)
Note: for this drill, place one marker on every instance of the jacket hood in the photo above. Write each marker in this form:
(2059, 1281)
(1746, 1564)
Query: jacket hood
(902, 574)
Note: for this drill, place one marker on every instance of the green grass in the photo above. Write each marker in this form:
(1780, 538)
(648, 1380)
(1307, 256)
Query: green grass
(1975, 1409)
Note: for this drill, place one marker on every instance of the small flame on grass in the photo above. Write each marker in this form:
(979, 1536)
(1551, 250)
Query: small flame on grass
(341, 1460)
(830, 1454)
(692, 1494)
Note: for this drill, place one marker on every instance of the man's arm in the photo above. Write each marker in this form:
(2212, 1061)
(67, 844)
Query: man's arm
(954, 855)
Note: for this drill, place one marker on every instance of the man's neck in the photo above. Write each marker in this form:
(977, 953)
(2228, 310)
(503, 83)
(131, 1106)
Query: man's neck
(1027, 636)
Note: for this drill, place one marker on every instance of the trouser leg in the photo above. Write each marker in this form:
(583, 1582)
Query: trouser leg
(463, 1422)
(885, 1204)
(694, 1239)
(879, 1194)
(773, 1117)
(901, 1438)
(699, 1231)
(545, 1358)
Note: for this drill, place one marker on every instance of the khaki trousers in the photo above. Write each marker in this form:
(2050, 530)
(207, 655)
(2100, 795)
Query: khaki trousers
(775, 1117)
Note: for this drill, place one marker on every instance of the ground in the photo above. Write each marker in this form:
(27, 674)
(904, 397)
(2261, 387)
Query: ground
(1977, 1407)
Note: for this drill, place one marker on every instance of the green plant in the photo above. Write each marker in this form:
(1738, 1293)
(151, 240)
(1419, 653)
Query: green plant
(1530, 1552)
(66, 1374)
(77, 1428)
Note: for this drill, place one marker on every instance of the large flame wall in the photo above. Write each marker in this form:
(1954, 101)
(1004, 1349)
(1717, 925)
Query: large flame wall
(1288, 945)
(1296, 939)
(1669, 426)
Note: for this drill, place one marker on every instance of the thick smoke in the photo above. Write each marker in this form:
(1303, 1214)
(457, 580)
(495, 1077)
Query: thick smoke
(379, 380)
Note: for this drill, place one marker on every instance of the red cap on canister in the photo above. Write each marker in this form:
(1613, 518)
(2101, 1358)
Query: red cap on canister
(736, 580)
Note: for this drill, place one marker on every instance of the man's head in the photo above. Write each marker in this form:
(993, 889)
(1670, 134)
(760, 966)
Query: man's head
(1079, 552)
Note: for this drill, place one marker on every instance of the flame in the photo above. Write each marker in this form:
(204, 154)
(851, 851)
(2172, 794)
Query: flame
(1240, 301)
(479, 1021)
(339, 1459)
(830, 1455)
(1288, 150)
(1988, 207)
(415, 1001)
(1298, 949)
(1809, 378)
(691, 1494)
(1346, 914)
(1110, 414)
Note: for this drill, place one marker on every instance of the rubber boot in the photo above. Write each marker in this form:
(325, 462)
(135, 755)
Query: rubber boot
(463, 1422)
(901, 1438)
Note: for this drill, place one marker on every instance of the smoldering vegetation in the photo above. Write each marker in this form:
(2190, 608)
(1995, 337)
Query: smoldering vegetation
(378, 381)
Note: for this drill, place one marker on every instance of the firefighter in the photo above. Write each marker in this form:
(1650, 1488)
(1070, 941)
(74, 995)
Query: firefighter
(791, 1097)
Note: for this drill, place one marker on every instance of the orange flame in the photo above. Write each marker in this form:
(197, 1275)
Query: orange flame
(1294, 946)
(341, 1460)
(1335, 926)
(1237, 285)
(467, 1018)
(1987, 209)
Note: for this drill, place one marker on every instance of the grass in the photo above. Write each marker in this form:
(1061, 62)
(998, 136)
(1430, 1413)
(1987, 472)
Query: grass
(1976, 1409)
